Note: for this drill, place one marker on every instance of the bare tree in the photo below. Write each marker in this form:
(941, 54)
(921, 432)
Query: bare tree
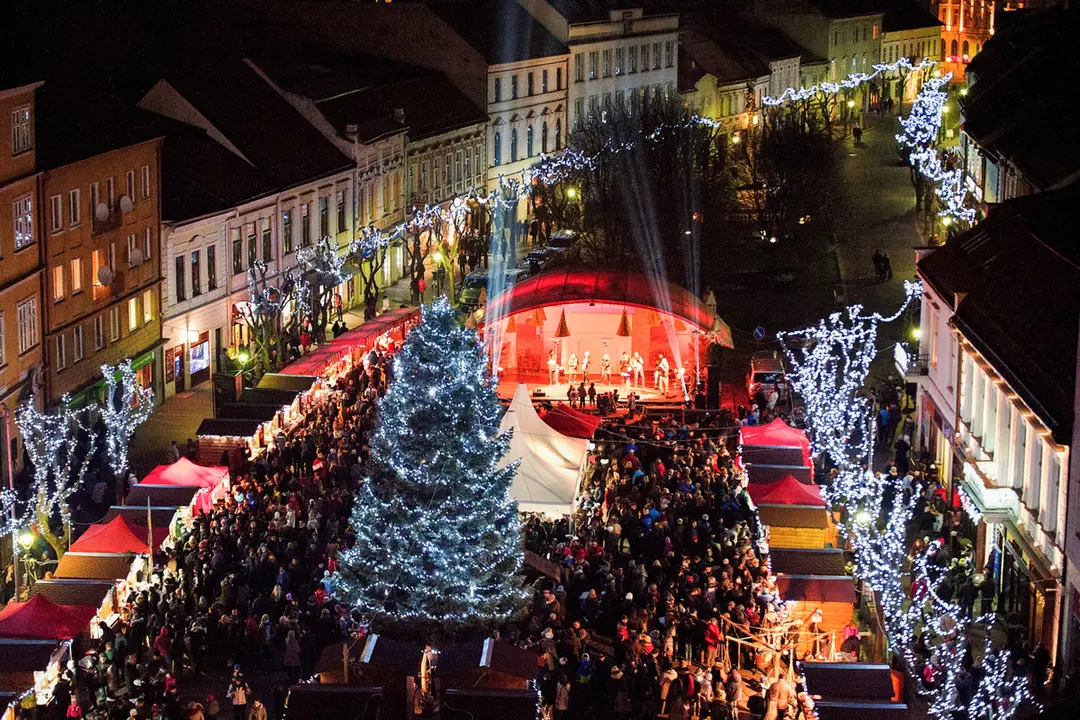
(127, 406)
(263, 313)
(322, 267)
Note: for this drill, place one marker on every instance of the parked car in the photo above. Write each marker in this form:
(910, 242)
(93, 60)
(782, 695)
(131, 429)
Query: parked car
(767, 373)
(476, 282)
(537, 260)
(561, 241)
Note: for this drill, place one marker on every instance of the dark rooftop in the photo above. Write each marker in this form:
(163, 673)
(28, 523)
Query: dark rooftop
(1020, 270)
(501, 30)
(837, 9)
(734, 47)
(907, 15)
(797, 561)
(584, 11)
(1016, 107)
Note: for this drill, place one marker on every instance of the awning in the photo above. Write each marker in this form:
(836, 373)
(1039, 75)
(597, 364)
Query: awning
(41, 618)
(118, 536)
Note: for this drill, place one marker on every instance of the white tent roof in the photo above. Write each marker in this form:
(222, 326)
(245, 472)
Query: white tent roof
(550, 471)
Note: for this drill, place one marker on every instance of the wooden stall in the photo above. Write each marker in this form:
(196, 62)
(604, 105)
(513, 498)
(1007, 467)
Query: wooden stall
(99, 566)
(855, 691)
(832, 596)
(798, 526)
(487, 664)
(767, 473)
(217, 436)
(332, 702)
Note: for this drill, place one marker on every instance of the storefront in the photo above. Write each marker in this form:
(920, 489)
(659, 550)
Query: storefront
(143, 365)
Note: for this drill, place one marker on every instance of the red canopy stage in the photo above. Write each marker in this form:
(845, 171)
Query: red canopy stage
(185, 473)
(788, 491)
(597, 311)
(42, 619)
(118, 536)
(777, 434)
(569, 421)
(359, 338)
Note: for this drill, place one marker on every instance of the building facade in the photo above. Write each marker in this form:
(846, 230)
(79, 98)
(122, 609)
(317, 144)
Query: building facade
(996, 410)
(620, 55)
(968, 24)
(20, 265)
(102, 263)
(908, 31)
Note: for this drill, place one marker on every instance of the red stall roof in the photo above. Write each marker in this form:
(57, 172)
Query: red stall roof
(42, 619)
(788, 491)
(117, 536)
(563, 287)
(316, 361)
(185, 473)
(775, 434)
(568, 421)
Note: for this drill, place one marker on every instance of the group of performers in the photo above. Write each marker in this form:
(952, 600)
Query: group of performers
(631, 370)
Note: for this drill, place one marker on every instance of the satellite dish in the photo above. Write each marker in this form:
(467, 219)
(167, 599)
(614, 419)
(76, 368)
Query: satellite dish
(126, 204)
(105, 275)
(101, 212)
(136, 256)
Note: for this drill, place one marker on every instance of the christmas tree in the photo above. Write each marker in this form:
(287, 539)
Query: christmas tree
(437, 533)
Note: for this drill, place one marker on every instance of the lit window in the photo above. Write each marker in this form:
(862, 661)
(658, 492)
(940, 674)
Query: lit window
(133, 314)
(28, 327)
(23, 212)
(76, 276)
(147, 307)
(21, 130)
(58, 283)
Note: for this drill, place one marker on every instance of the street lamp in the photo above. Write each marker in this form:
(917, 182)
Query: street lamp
(571, 193)
(916, 333)
(26, 539)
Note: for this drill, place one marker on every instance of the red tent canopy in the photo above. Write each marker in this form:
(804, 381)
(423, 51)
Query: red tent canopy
(316, 361)
(776, 434)
(41, 619)
(788, 491)
(187, 474)
(568, 421)
(118, 536)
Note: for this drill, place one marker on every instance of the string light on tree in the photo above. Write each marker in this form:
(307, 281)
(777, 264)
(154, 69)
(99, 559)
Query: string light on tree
(127, 406)
(437, 533)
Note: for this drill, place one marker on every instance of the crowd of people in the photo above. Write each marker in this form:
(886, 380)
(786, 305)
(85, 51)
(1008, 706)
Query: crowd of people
(245, 586)
(664, 571)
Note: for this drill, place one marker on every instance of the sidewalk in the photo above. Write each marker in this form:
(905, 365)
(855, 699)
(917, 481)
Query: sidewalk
(178, 419)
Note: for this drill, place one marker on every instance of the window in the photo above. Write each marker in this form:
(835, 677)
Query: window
(252, 247)
(24, 222)
(513, 86)
(131, 185)
(181, 285)
(286, 230)
(305, 224)
(579, 109)
(875, 32)
(61, 351)
(21, 130)
(110, 193)
(543, 137)
(145, 181)
(498, 90)
(133, 314)
(594, 105)
(497, 149)
(147, 307)
(112, 256)
(607, 63)
(340, 215)
(99, 332)
(79, 350)
(56, 208)
(76, 276)
(267, 244)
(74, 208)
(656, 56)
(28, 327)
(146, 244)
(98, 263)
(620, 60)
(632, 58)
(594, 64)
(211, 268)
(58, 283)
(196, 275)
(324, 217)
(644, 57)
(543, 81)
(237, 252)
(669, 53)
(579, 67)
(558, 133)
(513, 145)
(3, 342)
(965, 48)
(558, 78)
(529, 141)
(132, 246)
(529, 83)
(954, 48)
(95, 198)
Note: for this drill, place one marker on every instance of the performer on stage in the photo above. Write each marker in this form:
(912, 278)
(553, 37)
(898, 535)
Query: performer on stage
(571, 370)
(553, 369)
(585, 367)
(605, 369)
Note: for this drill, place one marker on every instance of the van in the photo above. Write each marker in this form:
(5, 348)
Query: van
(766, 373)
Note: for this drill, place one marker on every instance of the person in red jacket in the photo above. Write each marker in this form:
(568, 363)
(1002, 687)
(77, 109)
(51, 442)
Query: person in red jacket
(712, 641)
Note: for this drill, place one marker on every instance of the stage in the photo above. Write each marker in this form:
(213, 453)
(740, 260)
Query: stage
(558, 393)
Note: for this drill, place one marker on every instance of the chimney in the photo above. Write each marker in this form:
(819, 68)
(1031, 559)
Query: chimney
(351, 131)
(399, 116)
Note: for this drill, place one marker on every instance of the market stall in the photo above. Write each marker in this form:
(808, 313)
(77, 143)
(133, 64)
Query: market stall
(185, 473)
(341, 353)
(159, 517)
(551, 463)
(118, 536)
(775, 443)
(788, 491)
(177, 496)
(28, 665)
(101, 566)
(218, 436)
(41, 619)
(798, 526)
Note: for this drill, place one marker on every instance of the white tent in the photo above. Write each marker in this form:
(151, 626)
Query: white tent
(551, 463)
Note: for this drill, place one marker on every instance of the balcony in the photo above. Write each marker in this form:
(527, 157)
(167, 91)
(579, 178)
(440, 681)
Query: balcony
(910, 364)
(111, 221)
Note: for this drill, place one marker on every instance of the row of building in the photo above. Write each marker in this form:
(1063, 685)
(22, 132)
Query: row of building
(1000, 331)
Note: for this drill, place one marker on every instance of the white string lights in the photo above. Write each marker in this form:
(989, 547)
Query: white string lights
(437, 533)
(831, 362)
(122, 412)
(851, 82)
